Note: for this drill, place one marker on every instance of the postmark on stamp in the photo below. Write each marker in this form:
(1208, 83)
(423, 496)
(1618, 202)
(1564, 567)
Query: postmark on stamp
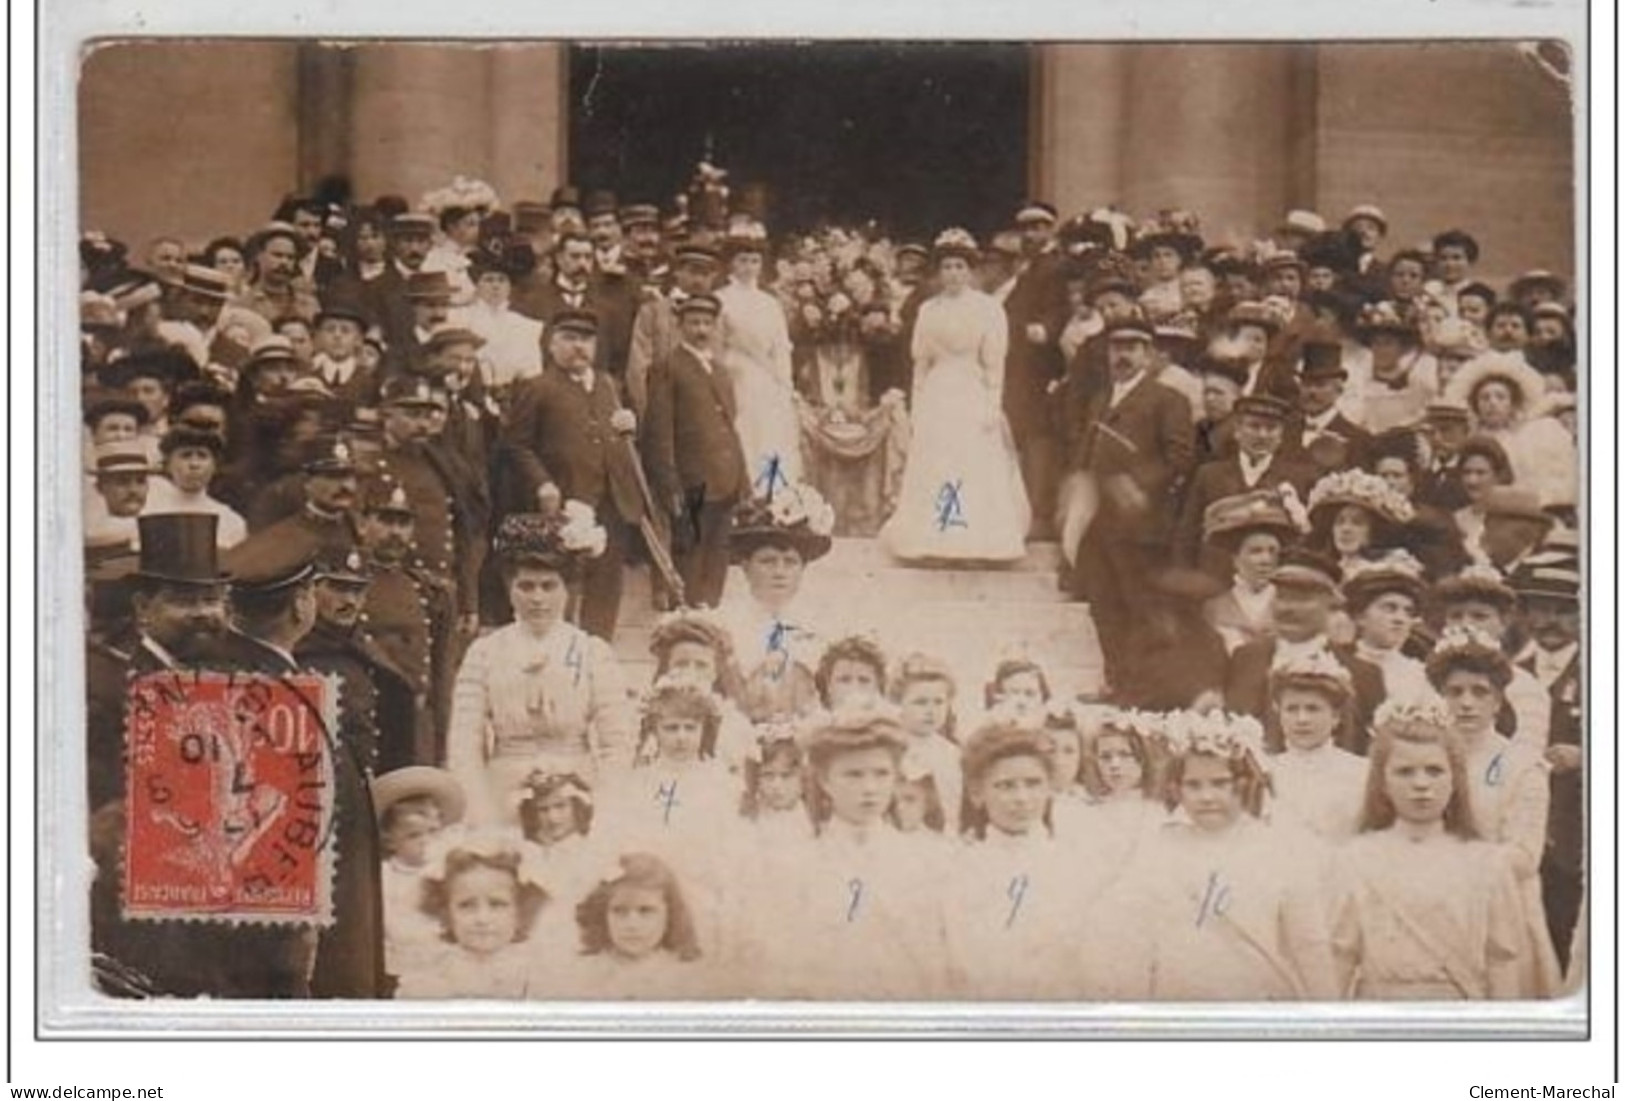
(230, 798)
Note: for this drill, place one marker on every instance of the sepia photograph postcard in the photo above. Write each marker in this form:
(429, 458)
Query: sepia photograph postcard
(771, 524)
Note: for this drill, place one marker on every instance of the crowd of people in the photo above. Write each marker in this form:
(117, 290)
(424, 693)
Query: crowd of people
(1321, 502)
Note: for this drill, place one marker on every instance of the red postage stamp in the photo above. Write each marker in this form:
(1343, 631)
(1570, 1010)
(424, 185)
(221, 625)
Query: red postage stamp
(229, 798)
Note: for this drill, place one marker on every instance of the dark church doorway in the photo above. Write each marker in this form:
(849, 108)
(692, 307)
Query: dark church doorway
(915, 136)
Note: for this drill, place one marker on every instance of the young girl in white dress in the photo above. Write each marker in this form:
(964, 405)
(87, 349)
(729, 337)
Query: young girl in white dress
(694, 642)
(1509, 781)
(857, 913)
(923, 690)
(556, 815)
(1124, 812)
(962, 495)
(1317, 785)
(1426, 911)
(774, 802)
(637, 937)
(414, 805)
(1234, 911)
(486, 891)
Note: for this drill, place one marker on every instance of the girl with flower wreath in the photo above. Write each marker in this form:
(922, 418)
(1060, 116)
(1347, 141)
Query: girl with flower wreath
(486, 891)
(556, 812)
(962, 496)
(1232, 910)
(1426, 910)
(539, 692)
(1122, 775)
(695, 643)
(1317, 784)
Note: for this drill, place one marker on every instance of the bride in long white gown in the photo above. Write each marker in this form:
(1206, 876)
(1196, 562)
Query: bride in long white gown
(754, 342)
(962, 496)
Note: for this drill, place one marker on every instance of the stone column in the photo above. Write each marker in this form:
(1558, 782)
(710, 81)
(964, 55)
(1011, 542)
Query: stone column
(1078, 127)
(420, 115)
(1210, 129)
(529, 87)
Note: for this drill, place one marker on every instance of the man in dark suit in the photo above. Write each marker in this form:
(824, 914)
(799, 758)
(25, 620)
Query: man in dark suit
(1306, 592)
(1320, 433)
(1035, 304)
(329, 490)
(655, 332)
(1259, 463)
(572, 440)
(1548, 587)
(576, 286)
(692, 451)
(1137, 446)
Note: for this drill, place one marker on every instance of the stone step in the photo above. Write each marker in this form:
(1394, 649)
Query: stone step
(864, 554)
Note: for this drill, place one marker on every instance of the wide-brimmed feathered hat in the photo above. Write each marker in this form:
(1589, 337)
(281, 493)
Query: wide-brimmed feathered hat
(1528, 388)
(795, 516)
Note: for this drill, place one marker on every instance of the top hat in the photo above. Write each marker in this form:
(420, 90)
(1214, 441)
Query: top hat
(598, 203)
(1323, 359)
(178, 548)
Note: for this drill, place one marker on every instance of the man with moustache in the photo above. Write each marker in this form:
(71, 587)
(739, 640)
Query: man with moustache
(449, 505)
(329, 497)
(376, 705)
(408, 615)
(572, 440)
(278, 291)
(576, 285)
(656, 332)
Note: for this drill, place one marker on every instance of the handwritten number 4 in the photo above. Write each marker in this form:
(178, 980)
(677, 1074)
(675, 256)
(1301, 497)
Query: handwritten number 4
(572, 660)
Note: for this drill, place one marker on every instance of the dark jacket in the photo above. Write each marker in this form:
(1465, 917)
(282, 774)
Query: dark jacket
(558, 432)
(690, 446)
(1222, 478)
(1147, 437)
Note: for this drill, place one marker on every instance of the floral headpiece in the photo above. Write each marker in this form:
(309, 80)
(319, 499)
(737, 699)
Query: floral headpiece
(681, 686)
(572, 531)
(1171, 223)
(462, 193)
(788, 507)
(1215, 734)
(1426, 710)
(1147, 724)
(1463, 639)
(522, 857)
(955, 239)
(540, 781)
(851, 722)
(769, 735)
(1362, 489)
(1383, 316)
(1400, 562)
(1319, 664)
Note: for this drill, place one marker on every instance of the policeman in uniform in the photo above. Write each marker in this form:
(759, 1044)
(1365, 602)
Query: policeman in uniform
(408, 614)
(328, 489)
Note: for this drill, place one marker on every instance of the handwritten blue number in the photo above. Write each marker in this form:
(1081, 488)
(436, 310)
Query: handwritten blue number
(572, 659)
(854, 888)
(1492, 774)
(1015, 893)
(667, 797)
(773, 475)
(1215, 900)
(951, 506)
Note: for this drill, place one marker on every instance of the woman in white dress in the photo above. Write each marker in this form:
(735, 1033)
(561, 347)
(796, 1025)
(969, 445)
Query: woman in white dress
(962, 496)
(753, 339)
(1508, 401)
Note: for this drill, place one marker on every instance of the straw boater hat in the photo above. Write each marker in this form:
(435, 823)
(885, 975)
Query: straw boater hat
(1528, 388)
(1369, 211)
(420, 780)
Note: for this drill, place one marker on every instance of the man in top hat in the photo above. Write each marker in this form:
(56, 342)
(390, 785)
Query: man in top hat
(324, 513)
(450, 508)
(573, 440)
(1548, 588)
(692, 450)
(378, 699)
(273, 607)
(655, 332)
(565, 210)
(1136, 447)
(408, 615)
(276, 288)
(1325, 437)
(427, 298)
(1306, 594)
(1260, 462)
